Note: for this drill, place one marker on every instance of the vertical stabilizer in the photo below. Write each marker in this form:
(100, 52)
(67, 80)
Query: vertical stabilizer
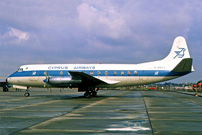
(179, 51)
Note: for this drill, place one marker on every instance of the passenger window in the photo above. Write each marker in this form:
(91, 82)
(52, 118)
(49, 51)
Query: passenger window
(68, 73)
(106, 73)
(135, 72)
(122, 73)
(128, 73)
(61, 73)
(114, 73)
(91, 72)
(98, 73)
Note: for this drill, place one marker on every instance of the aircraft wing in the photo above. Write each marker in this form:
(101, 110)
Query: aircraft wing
(89, 79)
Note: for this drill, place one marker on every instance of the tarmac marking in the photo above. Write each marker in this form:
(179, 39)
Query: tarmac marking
(30, 105)
(89, 118)
(18, 99)
(118, 116)
(61, 130)
(66, 116)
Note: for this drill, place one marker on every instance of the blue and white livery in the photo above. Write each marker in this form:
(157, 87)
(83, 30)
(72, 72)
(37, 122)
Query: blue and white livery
(89, 77)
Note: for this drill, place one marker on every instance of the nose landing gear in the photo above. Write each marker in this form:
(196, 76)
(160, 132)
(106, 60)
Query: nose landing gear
(27, 94)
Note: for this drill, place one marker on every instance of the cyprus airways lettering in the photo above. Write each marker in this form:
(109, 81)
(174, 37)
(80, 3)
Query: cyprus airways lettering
(84, 67)
(58, 67)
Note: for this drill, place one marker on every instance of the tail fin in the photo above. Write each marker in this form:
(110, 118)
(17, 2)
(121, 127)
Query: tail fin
(179, 50)
(178, 53)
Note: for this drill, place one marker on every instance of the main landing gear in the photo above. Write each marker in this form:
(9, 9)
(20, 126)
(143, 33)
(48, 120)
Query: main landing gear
(91, 93)
(26, 94)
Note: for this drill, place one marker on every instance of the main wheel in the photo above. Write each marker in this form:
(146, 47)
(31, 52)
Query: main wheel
(26, 94)
(87, 94)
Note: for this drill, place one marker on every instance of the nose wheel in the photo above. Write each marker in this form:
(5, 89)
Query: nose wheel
(26, 94)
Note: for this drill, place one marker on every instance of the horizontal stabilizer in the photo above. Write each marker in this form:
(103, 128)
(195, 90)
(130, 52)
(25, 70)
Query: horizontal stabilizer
(184, 66)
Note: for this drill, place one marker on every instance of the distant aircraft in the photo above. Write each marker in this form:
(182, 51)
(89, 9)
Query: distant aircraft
(89, 78)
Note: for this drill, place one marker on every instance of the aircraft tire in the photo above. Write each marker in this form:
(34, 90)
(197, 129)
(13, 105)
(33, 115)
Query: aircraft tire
(87, 94)
(26, 94)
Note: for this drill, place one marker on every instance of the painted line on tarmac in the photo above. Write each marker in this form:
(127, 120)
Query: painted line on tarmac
(39, 125)
(30, 105)
(58, 131)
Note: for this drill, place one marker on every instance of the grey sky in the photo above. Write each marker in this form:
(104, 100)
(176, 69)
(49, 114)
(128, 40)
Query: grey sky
(97, 31)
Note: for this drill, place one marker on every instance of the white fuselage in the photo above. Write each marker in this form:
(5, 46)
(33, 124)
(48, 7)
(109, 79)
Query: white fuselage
(117, 74)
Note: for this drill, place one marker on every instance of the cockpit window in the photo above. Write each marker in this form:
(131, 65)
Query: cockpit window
(20, 69)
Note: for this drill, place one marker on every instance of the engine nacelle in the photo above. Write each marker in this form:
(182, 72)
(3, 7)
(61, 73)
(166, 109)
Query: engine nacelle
(58, 80)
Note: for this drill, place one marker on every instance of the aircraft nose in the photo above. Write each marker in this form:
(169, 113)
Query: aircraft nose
(8, 80)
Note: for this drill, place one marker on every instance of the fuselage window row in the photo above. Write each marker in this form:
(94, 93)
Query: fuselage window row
(106, 73)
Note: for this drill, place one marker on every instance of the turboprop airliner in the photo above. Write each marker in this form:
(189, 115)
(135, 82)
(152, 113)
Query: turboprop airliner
(88, 78)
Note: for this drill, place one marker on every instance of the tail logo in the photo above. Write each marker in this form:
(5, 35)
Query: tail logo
(180, 54)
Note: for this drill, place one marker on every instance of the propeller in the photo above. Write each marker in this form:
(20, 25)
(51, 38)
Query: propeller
(46, 82)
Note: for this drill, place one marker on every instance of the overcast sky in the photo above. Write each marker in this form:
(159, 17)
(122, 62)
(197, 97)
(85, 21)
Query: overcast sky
(97, 31)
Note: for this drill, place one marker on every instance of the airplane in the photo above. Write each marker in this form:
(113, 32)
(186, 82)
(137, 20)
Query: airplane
(88, 78)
